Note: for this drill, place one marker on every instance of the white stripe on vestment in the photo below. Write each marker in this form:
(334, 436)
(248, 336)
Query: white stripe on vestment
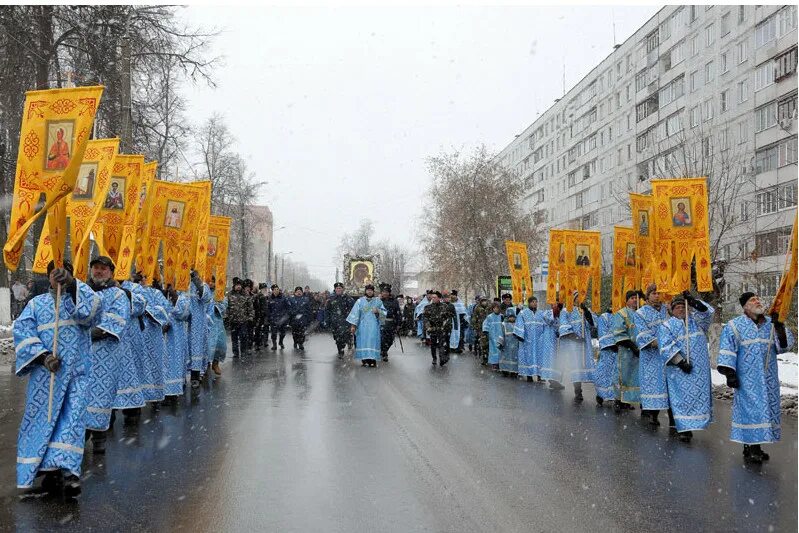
(129, 391)
(29, 340)
(766, 425)
(654, 396)
(116, 317)
(29, 460)
(728, 352)
(747, 342)
(98, 410)
(65, 446)
(51, 325)
(152, 386)
(695, 417)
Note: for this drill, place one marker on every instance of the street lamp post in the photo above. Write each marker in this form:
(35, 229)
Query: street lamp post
(283, 267)
(269, 256)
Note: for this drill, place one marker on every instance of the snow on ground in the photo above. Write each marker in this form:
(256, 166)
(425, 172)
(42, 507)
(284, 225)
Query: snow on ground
(787, 363)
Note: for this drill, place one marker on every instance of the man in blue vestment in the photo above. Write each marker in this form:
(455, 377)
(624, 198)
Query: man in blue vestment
(365, 318)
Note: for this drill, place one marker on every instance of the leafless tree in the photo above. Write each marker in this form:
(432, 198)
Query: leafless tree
(464, 239)
(393, 264)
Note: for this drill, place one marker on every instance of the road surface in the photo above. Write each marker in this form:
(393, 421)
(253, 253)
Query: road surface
(294, 441)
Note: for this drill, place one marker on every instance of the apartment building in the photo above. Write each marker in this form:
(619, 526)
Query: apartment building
(697, 90)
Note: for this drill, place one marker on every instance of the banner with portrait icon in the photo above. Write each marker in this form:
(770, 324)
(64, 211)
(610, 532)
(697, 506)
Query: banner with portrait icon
(175, 214)
(583, 251)
(782, 300)
(56, 125)
(201, 231)
(557, 277)
(217, 253)
(118, 208)
(643, 226)
(82, 206)
(682, 234)
(625, 264)
(149, 172)
(519, 269)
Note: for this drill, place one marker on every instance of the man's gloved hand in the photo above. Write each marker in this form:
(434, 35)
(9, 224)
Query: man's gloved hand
(62, 276)
(733, 381)
(166, 327)
(196, 281)
(51, 362)
(779, 329)
(518, 338)
(693, 302)
(98, 334)
(556, 311)
(685, 366)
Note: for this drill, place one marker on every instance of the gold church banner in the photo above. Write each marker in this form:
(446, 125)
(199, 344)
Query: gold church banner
(625, 264)
(174, 214)
(556, 276)
(82, 206)
(643, 226)
(56, 125)
(217, 253)
(149, 172)
(519, 268)
(201, 232)
(782, 301)
(575, 259)
(682, 234)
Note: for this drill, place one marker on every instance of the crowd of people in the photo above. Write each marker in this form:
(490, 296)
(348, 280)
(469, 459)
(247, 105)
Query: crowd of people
(95, 349)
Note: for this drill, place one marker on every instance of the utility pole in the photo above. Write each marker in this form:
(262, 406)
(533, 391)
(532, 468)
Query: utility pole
(282, 270)
(126, 128)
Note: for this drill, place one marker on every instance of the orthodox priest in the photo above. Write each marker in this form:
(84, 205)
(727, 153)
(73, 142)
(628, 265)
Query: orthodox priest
(365, 319)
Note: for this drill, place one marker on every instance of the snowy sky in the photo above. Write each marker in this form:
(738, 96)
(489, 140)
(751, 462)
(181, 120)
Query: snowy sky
(337, 108)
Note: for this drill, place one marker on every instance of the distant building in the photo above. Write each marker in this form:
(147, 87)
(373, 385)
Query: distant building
(261, 262)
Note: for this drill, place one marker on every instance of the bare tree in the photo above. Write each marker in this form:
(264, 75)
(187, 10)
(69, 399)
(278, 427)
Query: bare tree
(393, 264)
(465, 242)
(357, 243)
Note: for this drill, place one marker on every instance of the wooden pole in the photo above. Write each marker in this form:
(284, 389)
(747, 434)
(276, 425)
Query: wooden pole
(55, 351)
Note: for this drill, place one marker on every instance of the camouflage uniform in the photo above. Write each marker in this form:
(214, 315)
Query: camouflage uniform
(240, 312)
(478, 316)
(438, 324)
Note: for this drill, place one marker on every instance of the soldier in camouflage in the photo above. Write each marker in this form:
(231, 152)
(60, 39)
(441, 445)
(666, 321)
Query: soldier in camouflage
(438, 324)
(481, 311)
(240, 313)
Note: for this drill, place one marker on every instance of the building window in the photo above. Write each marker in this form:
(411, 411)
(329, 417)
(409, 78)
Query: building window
(672, 91)
(743, 132)
(741, 14)
(694, 80)
(652, 41)
(708, 114)
(768, 284)
(724, 143)
(742, 52)
(787, 195)
(786, 152)
(709, 35)
(766, 159)
(773, 242)
(725, 24)
(578, 200)
(766, 31)
(723, 101)
(691, 14)
(744, 211)
(786, 20)
(765, 117)
(640, 80)
(786, 108)
(785, 64)
(743, 91)
(646, 108)
(673, 125)
(764, 75)
(696, 116)
(707, 147)
(708, 72)
(724, 66)
(695, 46)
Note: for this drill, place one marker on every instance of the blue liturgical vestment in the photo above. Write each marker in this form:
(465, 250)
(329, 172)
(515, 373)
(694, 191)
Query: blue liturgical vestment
(367, 333)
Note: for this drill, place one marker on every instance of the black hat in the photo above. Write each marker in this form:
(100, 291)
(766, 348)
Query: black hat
(629, 294)
(437, 293)
(641, 294)
(262, 285)
(369, 286)
(429, 291)
(506, 295)
(297, 288)
(67, 266)
(338, 284)
(400, 296)
(385, 287)
(454, 292)
(745, 297)
(103, 260)
(532, 299)
(678, 300)
(237, 281)
(248, 283)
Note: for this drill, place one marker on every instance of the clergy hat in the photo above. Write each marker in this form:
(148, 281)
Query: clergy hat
(274, 286)
(678, 300)
(103, 260)
(338, 284)
(297, 288)
(437, 293)
(67, 266)
(429, 291)
(745, 297)
(369, 286)
(506, 295)
(629, 294)
(532, 299)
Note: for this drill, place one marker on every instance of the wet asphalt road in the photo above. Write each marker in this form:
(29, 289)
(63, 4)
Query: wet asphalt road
(303, 442)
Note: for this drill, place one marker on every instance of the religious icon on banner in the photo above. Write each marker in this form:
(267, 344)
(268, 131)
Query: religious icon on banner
(517, 261)
(84, 185)
(562, 254)
(174, 214)
(582, 252)
(361, 272)
(681, 212)
(213, 242)
(142, 195)
(629, 257)
(115, 199)
(59, 144)
(643, 223)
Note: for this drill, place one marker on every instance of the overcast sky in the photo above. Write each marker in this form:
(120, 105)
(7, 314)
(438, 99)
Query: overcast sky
(337, 108)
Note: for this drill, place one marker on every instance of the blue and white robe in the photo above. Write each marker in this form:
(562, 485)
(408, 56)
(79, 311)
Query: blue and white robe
(468, 336)
(654, 393)
(455, 334)
(155, 318)
(56, 444)
(530, 327)
(217, 340)
(417, 313)
(131, 371)
(107, 358)
(752, 352)
(367, 324)
(575, 347)
(689, 394)
(628, 388)
(492, 325)
(509, 358)
(605, 375)
(198, 327)
(177, 346)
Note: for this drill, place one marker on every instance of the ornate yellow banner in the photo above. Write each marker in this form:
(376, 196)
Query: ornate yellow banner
(56, 125)
(174, 216)
(82, 206)
(584, 261)
(557, 265)
(643, 226)
(149, 172)
(519, 268)
(782, 301)
(201, 232)
(682, 234)
(625, 264)
(217, 254)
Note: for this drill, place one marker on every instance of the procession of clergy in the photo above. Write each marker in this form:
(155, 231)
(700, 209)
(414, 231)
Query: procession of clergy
(120, 346)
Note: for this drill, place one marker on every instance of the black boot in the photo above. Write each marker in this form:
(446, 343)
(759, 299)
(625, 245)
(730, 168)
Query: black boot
(53, 482)
(686, 436)
(555, 385)
(599, 400)
(340, 353)
(71, 486)
(529, 379)
(672, 424)
(98, 442)
(274, 346)
(752, 455)
(617, 406)
(578, 393)
(653, 420)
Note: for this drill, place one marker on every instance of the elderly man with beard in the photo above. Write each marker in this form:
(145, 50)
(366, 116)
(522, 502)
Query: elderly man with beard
(107, 350)
(336, 310)
(654, 394)
(748, 351)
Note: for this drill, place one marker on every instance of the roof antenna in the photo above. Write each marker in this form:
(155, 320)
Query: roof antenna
(613, 23)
